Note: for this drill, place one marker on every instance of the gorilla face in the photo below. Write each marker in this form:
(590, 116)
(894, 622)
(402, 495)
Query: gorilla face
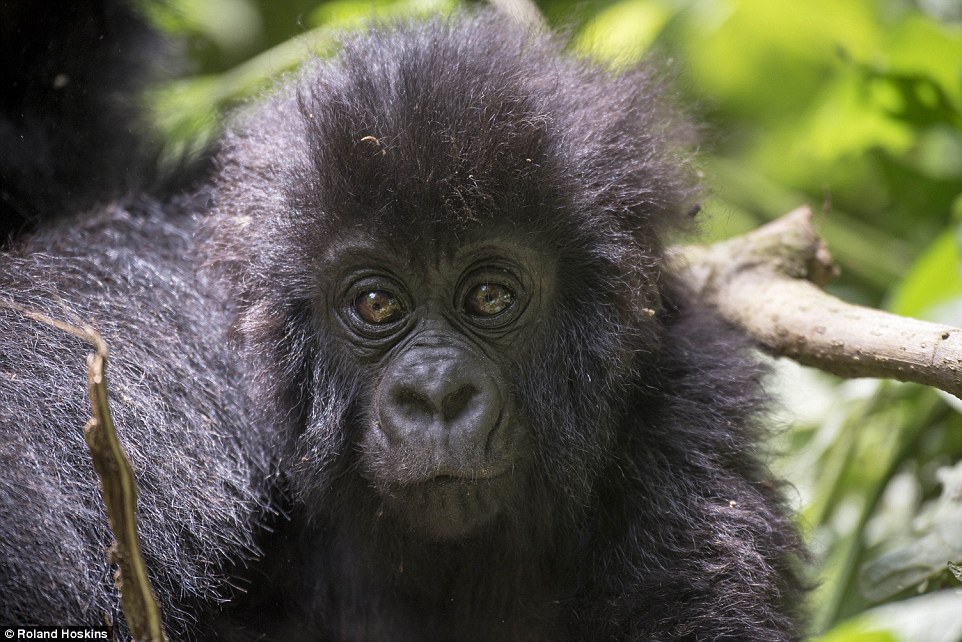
(440, 295)
(444, 442)
(446, 253)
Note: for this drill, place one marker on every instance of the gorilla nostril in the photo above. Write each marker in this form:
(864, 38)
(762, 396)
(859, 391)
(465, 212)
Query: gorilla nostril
(412, 404)
(456, 403)
(442, 403)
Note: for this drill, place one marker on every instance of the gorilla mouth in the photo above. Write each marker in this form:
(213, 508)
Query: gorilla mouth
(449, 506)
(456, 478)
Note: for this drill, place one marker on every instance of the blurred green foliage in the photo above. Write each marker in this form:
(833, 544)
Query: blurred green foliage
(854, 106)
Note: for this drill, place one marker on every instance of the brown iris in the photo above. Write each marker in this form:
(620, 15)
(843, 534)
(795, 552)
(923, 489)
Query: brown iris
(378, 307)
(488, 300)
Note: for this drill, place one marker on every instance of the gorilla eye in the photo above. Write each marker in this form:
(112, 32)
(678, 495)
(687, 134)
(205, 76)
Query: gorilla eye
(488, 300)
(378, 307)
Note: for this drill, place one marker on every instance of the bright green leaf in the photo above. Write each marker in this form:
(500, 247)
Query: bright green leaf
(934, 280)
(765, 58)
(920, 46)
(353, 13)
(928, 618)
(856, 632)
(853, 115)
(623, 32)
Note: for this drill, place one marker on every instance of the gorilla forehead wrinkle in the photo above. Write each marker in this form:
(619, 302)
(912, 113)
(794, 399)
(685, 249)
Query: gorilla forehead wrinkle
(435, 259)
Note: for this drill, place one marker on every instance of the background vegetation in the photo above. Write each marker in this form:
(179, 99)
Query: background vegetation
(853, 106)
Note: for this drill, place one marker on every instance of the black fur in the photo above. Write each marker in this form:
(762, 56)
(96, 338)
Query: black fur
(201, 466)
(640, 509)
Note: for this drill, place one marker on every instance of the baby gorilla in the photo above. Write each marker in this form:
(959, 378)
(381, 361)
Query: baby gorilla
(461, 385)
(506, 419)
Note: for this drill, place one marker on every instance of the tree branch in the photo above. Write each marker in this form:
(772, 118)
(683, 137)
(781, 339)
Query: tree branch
(767, 282)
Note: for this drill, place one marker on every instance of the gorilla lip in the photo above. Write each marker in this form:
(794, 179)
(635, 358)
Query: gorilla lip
(446, 506)
(469, 478)
(448, 475)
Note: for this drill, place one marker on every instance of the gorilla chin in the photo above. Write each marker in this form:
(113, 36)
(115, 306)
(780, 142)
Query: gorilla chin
(449, 508)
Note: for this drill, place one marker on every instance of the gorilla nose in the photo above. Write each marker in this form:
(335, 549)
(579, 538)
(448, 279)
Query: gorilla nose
(438, 400)
(442, 400)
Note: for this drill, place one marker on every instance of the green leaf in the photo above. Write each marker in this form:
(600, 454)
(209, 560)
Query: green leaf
(934, 281)
(624, 31)
(918, 45)
(928, 618)
(354, 13)
(937, 542)
(855, 632)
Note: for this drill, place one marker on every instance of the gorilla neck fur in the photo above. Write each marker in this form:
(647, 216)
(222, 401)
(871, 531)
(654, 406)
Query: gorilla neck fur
(510, 579)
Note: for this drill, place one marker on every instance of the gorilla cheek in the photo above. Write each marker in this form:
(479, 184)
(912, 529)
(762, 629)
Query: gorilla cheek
(442, 445)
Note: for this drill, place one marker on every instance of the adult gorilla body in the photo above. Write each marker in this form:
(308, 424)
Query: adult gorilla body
(493, 412)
